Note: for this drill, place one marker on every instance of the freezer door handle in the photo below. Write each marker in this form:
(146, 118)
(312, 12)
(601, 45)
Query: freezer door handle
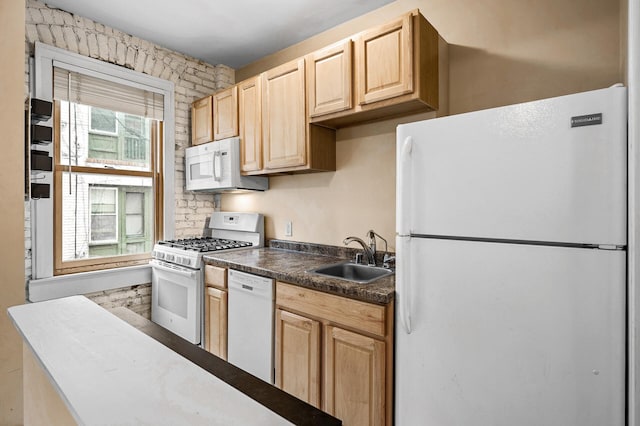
(403, 281)
(404, 187)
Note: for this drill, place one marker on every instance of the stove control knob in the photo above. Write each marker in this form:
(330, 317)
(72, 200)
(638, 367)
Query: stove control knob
(170, 257)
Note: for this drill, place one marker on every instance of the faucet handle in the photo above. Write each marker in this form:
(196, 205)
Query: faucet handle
(388, 261)
(372, 240)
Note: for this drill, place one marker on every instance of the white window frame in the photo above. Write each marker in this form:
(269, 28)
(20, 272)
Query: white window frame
(44, 285)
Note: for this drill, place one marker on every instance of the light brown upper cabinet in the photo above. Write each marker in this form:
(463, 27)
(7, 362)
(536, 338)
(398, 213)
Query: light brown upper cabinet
(202, 121)
(385, 61)
(283, 110)
(289, 143)
(250, 122)
(329, 79)
(395, 72)
(225, 113)
(286, 117)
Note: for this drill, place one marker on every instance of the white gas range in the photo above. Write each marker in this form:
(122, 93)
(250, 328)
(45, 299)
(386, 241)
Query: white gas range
(177, 284)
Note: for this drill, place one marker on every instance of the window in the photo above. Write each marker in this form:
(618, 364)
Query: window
(127, 141)
(134, 219)
(104, 215)
(103, 121)
(106, 178)
(120, 222)
(143, 166)
(135, 138)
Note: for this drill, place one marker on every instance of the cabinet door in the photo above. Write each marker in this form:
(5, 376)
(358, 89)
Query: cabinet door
(384, 57)
(284, 116)
(329, 79)
(354, 377)
(250, 102)
(298, 356)
(216, 322)
(202, 121)
(225, 113)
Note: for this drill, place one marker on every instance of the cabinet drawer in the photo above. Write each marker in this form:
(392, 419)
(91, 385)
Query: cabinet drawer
(215, 276)
(355, 314)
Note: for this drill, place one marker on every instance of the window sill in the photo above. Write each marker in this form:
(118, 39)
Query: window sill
(87, 282)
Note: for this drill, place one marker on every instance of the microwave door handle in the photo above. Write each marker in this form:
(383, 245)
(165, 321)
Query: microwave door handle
(217, 166)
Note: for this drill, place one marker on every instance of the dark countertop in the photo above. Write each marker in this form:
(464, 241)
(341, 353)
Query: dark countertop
(290, 266)
(291, 408)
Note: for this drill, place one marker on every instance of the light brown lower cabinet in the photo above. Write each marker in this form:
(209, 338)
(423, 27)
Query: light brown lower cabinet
(335, 353)
(354, 377)
(216, 322)
(215, 310)
(298, 356)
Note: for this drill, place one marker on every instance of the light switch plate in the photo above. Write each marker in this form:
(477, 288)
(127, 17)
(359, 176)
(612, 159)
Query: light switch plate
(288, 229)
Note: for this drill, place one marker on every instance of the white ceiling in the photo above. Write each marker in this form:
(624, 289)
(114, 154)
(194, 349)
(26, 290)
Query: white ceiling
(230, 32)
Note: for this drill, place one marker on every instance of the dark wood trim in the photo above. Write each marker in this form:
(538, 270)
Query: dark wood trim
(291, 408)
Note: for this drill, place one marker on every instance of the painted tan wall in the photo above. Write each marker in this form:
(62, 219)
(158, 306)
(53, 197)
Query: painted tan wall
(500, 52)
(12, 206)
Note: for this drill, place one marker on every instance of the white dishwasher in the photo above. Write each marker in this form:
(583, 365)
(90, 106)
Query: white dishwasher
(250, 324)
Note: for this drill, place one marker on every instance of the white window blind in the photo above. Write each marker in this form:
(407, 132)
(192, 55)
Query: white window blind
(88, 90)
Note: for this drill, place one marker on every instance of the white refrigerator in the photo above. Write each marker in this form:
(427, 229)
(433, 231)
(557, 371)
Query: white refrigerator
(511, 265)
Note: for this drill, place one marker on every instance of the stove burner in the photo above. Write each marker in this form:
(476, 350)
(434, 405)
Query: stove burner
(205, 244)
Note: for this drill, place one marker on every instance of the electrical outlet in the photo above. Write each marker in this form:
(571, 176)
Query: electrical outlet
(288, 229)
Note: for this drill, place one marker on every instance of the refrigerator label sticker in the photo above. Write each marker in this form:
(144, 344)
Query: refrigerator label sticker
(586, 120)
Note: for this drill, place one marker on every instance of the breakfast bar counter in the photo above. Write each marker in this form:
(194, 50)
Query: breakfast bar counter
(108, 370)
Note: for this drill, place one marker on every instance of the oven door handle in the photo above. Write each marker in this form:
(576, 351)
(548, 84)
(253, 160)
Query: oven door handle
(188, 273)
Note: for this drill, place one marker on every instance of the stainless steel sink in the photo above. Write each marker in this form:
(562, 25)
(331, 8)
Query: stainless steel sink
(362, 274)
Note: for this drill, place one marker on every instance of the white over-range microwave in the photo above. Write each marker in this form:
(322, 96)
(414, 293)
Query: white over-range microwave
(215, 167)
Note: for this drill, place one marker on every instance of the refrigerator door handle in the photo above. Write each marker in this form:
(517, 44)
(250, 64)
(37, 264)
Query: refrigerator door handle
(403, 281)
(404, 187)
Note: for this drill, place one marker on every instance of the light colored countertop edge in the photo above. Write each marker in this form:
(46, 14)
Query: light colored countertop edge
(97, 361)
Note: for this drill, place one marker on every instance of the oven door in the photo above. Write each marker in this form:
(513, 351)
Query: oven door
(176, 299)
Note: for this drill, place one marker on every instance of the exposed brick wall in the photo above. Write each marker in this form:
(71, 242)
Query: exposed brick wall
(136, 298)
(193, 79)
